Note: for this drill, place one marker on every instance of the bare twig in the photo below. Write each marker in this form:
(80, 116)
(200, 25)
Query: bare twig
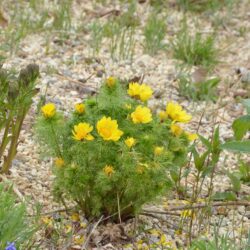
(84, 246)
(59, 210)
(201, 205)
(118, 207)
(161, 219)
(75, 81)
(15, 189)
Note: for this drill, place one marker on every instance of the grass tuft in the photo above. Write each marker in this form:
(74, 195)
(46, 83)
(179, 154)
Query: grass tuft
(154, 33)
(197, 49)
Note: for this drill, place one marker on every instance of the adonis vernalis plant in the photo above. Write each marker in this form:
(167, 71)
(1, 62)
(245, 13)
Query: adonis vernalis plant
(16, 95)
(113, 154)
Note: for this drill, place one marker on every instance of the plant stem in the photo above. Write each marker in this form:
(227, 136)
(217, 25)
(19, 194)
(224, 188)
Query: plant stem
(14, 142)
(5, 135)
(56, 140)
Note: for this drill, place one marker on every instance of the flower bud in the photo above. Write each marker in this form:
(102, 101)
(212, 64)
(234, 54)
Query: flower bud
(13, 90)
(28, 75)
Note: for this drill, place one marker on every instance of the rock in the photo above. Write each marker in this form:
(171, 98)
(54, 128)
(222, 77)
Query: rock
(246, 77)
(244, 74)
(99, 73)
(158, 93)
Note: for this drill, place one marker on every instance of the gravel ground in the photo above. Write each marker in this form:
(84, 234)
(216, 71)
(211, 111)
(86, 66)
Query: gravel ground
(70, 60)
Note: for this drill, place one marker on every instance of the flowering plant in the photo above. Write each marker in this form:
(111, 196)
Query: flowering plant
(114, 154)
(16, 95)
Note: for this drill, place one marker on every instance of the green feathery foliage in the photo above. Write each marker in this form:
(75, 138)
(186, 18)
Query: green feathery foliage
(111, 177)
(14, 224)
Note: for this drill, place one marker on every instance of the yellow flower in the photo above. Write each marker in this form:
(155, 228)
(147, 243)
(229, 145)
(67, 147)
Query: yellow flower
(130, 142)
(155, 232)
(83, 225)
(82, 131)
(111, 81)
(141, 115)
(127, 106)
(75, 217)
(108, 170)
(134, 89)
(163, 115)
(163, 241)
(108, 129)
(59, 162)
(176, 113)
(142, 92)
(146, 92)
(176, 130)
(80, 108)
(187, 213)
(49, 110)
(68, 229)
(140, 169)
(158, 150)
(191, 137)
(48, 221)
(178, 232)
(78, 239)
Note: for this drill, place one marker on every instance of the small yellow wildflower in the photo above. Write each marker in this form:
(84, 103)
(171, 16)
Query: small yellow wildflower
(140, 245)
(176, 129)
(191, 137)
(75, 217)
(82, 132)
(128, 106)
(108, 129)
(141, 115)
(155, 232)
(111, 81)
(163, 241)
(108, 170)
(140, 91)
(176, 113)
(68, 229)
(134, 90)
(78, 239)
(83, 225)
(59, 162)
(187, 213)
(74, 166)
(178, 232)
(163, 115)
(158, 150)
(130, 142)
(146, 92)
(49, 110)
(48, 221)
(80, 108)
(140, 169)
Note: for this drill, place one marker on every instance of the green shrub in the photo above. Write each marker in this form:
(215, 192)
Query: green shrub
(195, 50)
(14, 224)
(112, 155)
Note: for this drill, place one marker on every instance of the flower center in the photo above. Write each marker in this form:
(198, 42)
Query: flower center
(106, 132)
